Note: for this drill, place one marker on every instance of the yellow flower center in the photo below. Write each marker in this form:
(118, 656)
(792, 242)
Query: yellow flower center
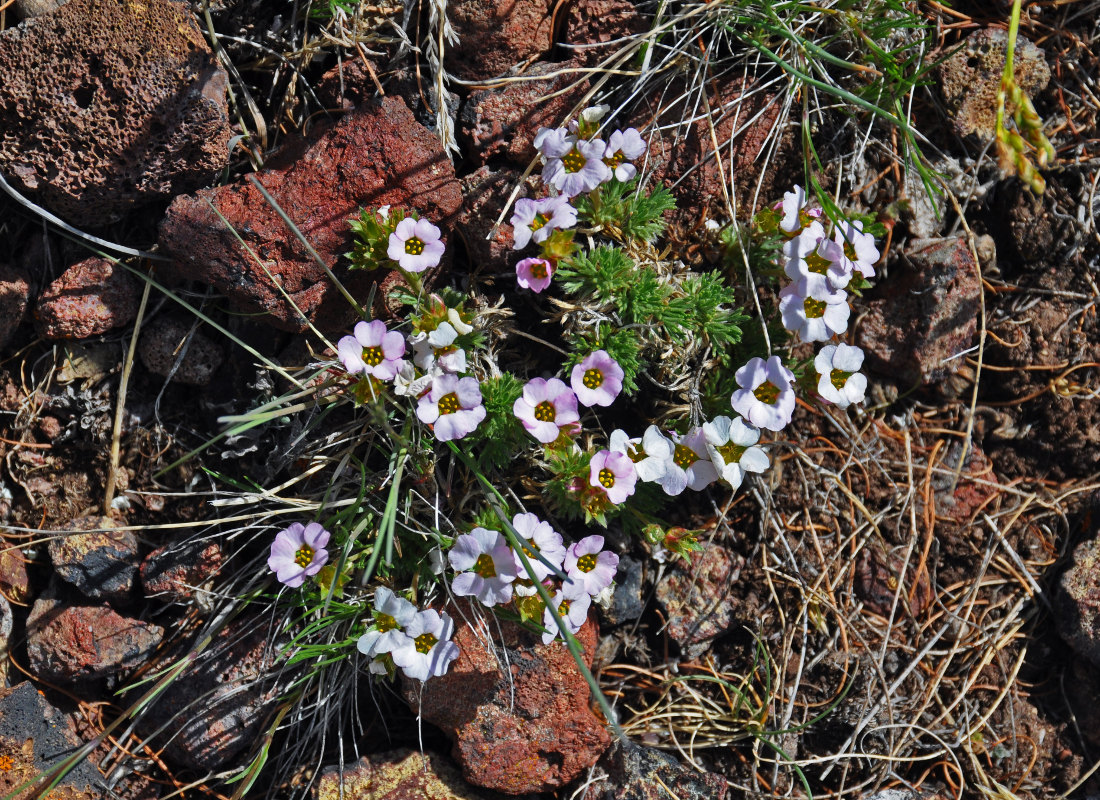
(539, 221)
(372, 356)
(448, 403)
(614, 160)
(485, 567)
(815, 309)
(731, 453)
(593, 378)
(425, 642)
(839, 378)
(683, 456)
(606, 478)
(586, 563)
(767, 392)
(544, 411)
(815, 263)
(563, 607)
(573, 161)
(414, 246)
(850, 251)
(304, 556)
(384, 622)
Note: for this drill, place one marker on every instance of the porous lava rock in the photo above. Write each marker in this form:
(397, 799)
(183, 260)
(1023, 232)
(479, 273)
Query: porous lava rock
(697, 597)
(91, 297)
(171, 573)
(502, 123)
(97, 559)
(642, 773)
(517, 710)
(109, 105)
(924, 316)
(493, 36)
(34, 736)
(396, 775)
(484, 192)
(1078, 601)
(72, 644)
(971, 77)
(177, 349)
(590, 23)
(377, 154)
(15, 294)
(216, 706)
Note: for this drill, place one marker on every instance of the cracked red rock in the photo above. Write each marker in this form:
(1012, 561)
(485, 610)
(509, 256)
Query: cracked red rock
(90, 298)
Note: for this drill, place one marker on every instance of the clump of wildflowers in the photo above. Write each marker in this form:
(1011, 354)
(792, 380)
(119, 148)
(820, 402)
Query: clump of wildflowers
(813, 309)
(485, 565)
(298, 552)
(572, 165)
(535, 220)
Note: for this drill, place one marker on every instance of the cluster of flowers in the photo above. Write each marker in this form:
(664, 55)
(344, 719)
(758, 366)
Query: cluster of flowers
(419, 642)
(575, 161)
(487, 568)
(814, 305)
(448, 400)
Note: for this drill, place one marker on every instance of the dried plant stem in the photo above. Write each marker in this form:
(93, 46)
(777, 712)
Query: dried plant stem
(120, 406)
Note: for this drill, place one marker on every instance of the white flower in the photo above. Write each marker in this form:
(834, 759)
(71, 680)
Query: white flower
(453, 405)
(486, 566)
(572, 604)
(622, 148)
(690, 466)
(730, 447)
(427, 650)
(841, 381)
(851, 250)
(535, 220)
(407, 384)
(392, 614)
(804, 253)
(437, 349)
(655, 465)
(590, 567)
(795, 214)
(766, 397)
(538, 537)
(573, 166)
(415, 245)
(812, 309)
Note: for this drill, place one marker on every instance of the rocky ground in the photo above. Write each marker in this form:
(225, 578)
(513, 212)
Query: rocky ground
(902, 607)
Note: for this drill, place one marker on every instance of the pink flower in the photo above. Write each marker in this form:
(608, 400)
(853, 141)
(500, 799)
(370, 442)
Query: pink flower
(415, 245)
(298, 552)
(590, 567)
(597, 380)
(372, 350)
(486, 566)
(851, 250)
(545, 407)
(453, 404)
(614, 474)
(534, 274)
(572, 604)
(622, 148)
(539, 538)
(573, 166)
(766, 397)
(537, 219)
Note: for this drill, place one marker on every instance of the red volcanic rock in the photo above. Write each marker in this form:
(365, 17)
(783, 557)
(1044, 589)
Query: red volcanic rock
(69, 644)
(484, 193)
(503, 122)
(90, 298)
(697, 597)
(530, 731)
(171, 573)
(601, 22)
(924, 316)
(494, 36)
(109, 105)
(376, 155)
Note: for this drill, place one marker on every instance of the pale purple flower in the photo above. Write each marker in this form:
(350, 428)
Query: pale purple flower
(851, 250)
(392, 614)
(575, 170)
(486, 566)
(538, 537)
(589, 567)
(651, 454)
(437, 348)
(534, 274)
(427, 650)
(805, 252)
(690, 465)
(622, 148)
(766, 396)
(614, 474)
(553, 142)
(597, 380)
(730, 445)
(572, 604)
(298, 552)
(841, 381)
(812, 309)
(793, 203)
(372, 350)
(453, 405)
(415, 245)
(537, 219)
(545, 407)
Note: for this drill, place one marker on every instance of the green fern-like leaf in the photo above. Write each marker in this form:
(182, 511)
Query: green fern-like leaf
(500, 435)
(601, 276)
